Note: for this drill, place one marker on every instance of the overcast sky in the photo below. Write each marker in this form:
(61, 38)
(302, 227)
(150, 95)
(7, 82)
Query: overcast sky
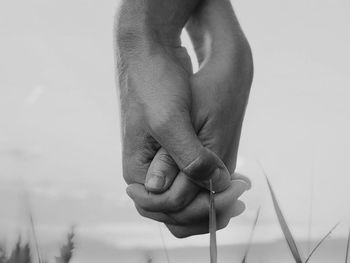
(59, 127)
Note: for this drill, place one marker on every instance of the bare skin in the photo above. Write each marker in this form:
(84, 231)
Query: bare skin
(181, 129)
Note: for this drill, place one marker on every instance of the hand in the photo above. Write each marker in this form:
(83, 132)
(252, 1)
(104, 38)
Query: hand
(156, 103)
(156, 106)
(219, 96)
(143, 98)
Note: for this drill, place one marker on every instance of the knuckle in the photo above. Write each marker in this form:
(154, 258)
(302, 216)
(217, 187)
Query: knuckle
(159, 126)
(142, 156)
(127, 178)
(156, 173)
(160, 121)
(166, 158)
(133, 171)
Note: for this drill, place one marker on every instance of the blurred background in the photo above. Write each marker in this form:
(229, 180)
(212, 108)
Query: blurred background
(60, 151)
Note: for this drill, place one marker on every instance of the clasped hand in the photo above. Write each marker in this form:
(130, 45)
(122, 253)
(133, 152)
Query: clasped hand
(181, 129)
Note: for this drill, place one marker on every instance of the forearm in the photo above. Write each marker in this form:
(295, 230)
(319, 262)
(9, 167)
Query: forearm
(153, 21)
(215, 31)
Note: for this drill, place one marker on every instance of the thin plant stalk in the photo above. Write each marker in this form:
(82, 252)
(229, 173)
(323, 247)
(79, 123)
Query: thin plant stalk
(244, 260)
(284, 226)
(320, 242)
(212, 225)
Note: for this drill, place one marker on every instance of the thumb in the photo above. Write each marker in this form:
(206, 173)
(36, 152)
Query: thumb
(177, 136)
(161, 172)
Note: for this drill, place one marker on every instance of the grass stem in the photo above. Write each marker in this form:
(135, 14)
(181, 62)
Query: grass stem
(212, 225)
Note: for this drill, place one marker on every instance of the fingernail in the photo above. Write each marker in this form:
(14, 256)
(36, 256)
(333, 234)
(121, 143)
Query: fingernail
(244, 184)
(218, 183)
(155, 182)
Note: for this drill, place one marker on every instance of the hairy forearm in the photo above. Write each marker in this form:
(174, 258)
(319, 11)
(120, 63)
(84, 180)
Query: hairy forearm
(153, 21)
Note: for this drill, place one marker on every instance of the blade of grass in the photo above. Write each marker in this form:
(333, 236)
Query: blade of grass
(36, 243)
(251, 236)
(284, 226)
(212, 225)
(347, 248)
(320, 242)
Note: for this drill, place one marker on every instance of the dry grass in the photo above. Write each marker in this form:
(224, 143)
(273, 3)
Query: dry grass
(22, 252)
(66, 251)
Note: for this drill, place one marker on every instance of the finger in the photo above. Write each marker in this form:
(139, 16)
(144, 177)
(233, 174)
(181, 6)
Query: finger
(179, 195)
(198, 171)
(176, 134)
(198, 209)
(138, 151)
(222, 220)
(236, 176)
(157, 216)
(161, 173)
(203, 227)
